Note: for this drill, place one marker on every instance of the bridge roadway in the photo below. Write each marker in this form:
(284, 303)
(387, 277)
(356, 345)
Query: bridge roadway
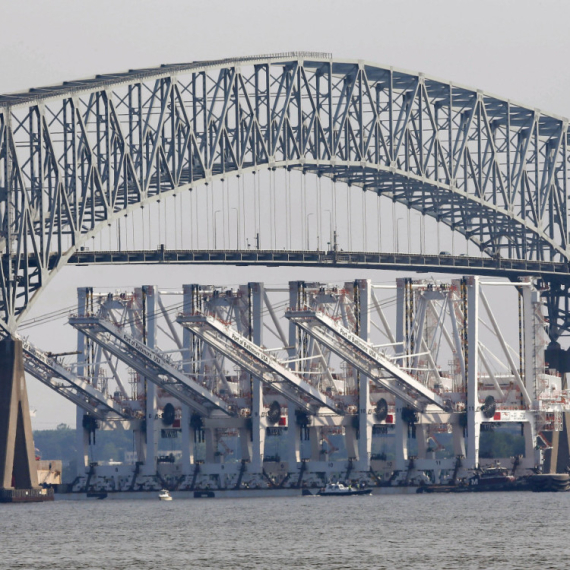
(509, 268)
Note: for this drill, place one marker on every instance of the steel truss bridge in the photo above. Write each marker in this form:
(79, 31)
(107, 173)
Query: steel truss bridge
(77, 156)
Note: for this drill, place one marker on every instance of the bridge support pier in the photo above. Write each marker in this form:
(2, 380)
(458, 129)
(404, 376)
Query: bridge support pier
(17, 453)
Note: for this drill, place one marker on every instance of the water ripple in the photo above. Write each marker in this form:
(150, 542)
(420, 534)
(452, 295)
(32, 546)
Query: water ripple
(479, 531)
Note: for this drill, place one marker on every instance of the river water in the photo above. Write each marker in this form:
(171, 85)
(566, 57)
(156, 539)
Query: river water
(483, 530)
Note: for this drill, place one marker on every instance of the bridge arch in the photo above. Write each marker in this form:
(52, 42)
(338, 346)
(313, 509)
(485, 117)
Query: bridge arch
(76, 157)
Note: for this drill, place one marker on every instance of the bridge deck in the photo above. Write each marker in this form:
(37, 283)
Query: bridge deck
(464, 265)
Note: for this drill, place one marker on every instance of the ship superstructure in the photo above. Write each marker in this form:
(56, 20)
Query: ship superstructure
(263, 387)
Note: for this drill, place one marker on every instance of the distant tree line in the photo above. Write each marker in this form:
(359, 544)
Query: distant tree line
(60, 443)
(500, 443)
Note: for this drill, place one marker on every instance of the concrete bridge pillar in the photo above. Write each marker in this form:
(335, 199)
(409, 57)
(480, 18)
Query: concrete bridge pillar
(17, 452)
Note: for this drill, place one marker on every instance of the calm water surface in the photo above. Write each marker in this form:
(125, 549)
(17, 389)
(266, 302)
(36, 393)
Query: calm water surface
(494, 530)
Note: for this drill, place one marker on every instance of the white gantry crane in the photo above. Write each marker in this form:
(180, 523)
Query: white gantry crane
(364, 357)
(151, 363)
(257, 362)
(65, 382)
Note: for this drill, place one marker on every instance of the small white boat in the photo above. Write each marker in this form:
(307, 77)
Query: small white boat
(340, 490)
(164, 495)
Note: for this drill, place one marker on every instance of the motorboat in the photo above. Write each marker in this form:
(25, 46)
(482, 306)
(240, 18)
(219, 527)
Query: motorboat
(164, 495)
(340, 490)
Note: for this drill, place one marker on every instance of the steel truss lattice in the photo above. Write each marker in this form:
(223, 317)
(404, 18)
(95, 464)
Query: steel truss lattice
(77, 156)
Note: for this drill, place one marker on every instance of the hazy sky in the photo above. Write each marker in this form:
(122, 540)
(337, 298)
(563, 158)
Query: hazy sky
(512, 48)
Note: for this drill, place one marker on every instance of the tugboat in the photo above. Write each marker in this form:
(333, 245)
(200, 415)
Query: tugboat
(340, 490)
(493, 478)
(164, 495)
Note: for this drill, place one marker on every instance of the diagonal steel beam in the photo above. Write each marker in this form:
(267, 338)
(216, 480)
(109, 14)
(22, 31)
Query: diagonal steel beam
(252, 358)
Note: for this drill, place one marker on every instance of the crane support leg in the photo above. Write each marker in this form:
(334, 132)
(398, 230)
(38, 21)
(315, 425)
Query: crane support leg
(473, 412)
